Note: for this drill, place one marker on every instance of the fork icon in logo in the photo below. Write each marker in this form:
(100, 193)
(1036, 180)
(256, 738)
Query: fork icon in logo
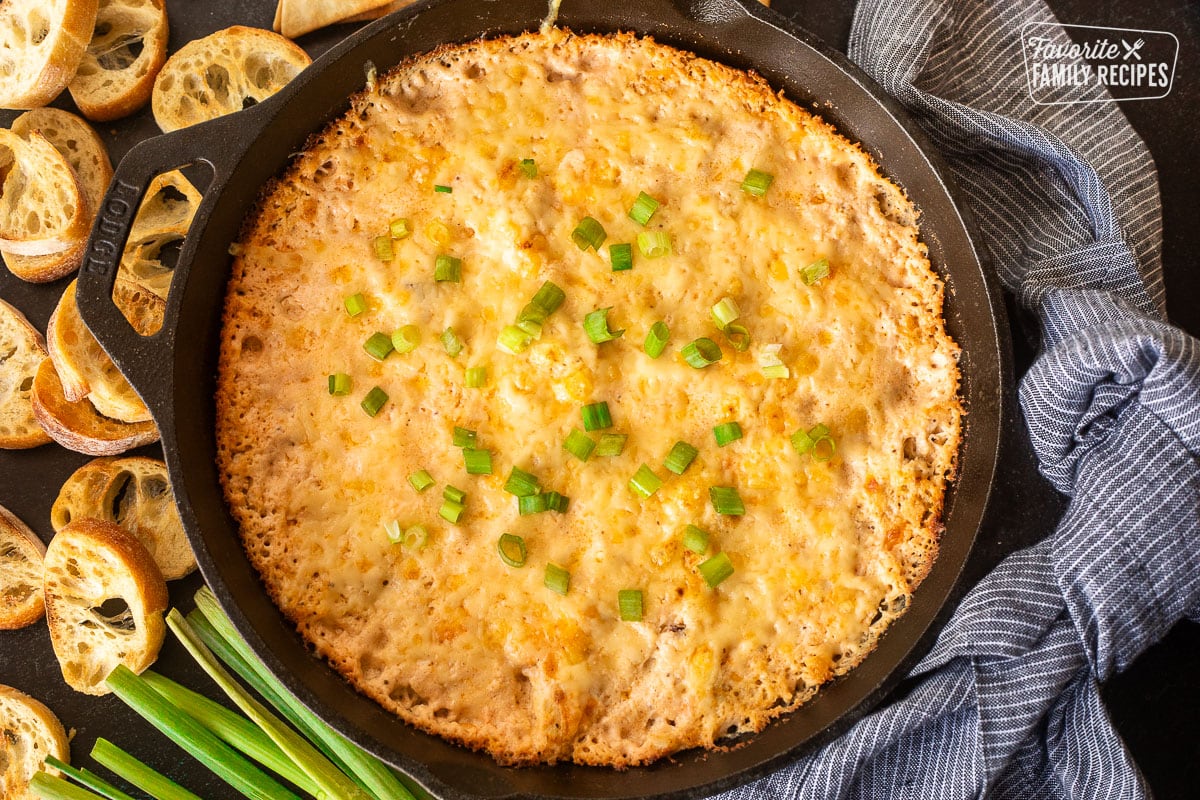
(1132, 50)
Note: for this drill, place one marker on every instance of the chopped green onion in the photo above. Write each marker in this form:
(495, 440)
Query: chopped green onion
(528, 167)
(400, 228)
(451, 511)
(451, 342)
(644, 482)
(556, 502)
(654, 244)
(137, 773)
(464, 437)
(611, 444)
(392, 529)
(521, 483)
(629, 602)
(88, 779)
(339, 384)
(406, 339)
(738, 337)
(374, 401)
(589, 233)
(531, 504)
(579, 444)
(532, 327)
(512, 550)
(757, 182)
(656, 339)
(643, 208)
(716, 569)
(442, 188)
(447, 268)
(383, 248)
(416, 537)
(476, 377)
(681, 457)
(549, 297)
(595, 325)
(421, 480)
(621, 256)
(454, 494)
(772, 365)
(815, 271)
(513, 340)
(596, 416)
(816, 441)
(356, 304)
(726, 500)
(202, 744)
(727, 432)
(701, 352)
(695, 539)
(477, 462)
(379, 346)
(725, 312)
(557, 579)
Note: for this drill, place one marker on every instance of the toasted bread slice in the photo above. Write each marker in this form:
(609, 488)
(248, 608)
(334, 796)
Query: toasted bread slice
(105, 599)
(297, 17)
(31, 732)
(85, 369)
(21, 350)
(78, 426)
(134, 493)
(41, 44)
(144, 264)
(160, 226)
(85, 152)
(21, 554)
(170, 203)
(42, 206)
(222, 73)
(129, 47)
(141, 304)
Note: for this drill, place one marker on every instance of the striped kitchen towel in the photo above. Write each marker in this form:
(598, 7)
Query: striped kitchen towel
(1007, 703)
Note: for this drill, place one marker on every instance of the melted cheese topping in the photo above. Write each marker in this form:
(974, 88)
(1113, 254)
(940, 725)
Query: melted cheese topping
(451, 638)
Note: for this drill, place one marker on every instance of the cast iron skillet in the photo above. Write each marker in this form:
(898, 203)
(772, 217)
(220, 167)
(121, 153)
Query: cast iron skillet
(174, 369)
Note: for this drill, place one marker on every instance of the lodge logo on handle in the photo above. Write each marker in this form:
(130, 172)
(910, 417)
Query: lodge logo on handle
(1092, 64)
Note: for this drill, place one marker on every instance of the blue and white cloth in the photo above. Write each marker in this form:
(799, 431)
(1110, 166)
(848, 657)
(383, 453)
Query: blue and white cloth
(1007, 703)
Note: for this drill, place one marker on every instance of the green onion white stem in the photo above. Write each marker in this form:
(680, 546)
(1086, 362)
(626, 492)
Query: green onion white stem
(140, 775)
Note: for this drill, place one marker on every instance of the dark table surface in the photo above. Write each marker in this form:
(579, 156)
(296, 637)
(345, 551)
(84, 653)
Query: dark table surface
(1155, 704)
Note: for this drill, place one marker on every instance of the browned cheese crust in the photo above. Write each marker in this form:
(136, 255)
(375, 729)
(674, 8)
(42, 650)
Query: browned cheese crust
(448, 636)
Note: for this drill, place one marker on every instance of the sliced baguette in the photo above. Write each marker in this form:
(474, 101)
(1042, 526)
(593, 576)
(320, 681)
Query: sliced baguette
(28, 733)
(78, 426)
(85, 369)
(43, 209)
(128, 48)
(41, 44)
(105, 599)
(85, 152)
(222, 73)
(134, 493)
(170, 203)
(142, 263)
(21, 554)
(21, 350)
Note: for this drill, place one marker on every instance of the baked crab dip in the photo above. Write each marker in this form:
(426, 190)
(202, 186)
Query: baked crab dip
(581, 399)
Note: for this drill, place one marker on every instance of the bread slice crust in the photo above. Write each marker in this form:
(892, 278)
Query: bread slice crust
(221, 73)
(135, 493)
(21, 555)
(29, 731)
(78, 426)
(105, 599)
(41, 44)
(112, 81)
(22, 348)
(87, 155)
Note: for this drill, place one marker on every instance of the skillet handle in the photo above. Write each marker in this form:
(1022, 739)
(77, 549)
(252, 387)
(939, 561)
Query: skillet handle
(146, 361)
